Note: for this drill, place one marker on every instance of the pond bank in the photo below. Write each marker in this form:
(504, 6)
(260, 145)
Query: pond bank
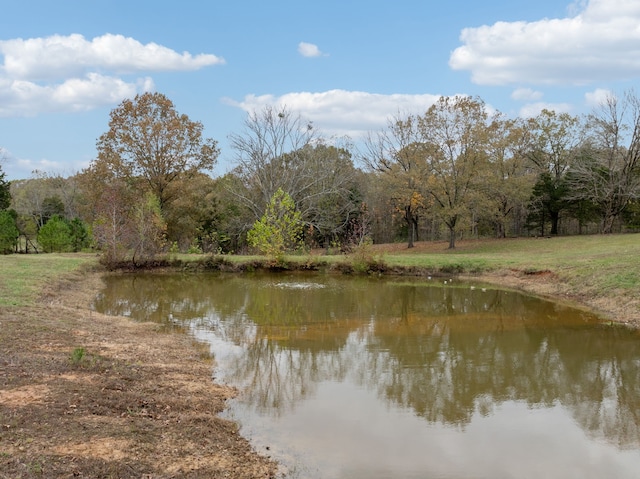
(616, 309)
(83, 394)
(87, 395)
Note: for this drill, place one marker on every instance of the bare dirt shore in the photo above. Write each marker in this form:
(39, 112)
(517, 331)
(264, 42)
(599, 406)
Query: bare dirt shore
(88, 395)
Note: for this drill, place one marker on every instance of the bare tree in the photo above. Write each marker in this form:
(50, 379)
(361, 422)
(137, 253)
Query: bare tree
(268, 136)
(280, 150)
(399, 155)
(608, 173)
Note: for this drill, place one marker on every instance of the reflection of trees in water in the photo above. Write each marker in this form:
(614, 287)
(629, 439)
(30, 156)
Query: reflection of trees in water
(446, 353)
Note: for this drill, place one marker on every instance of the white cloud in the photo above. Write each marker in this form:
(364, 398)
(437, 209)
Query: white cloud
(533, 109)
(597, 97)
(601, 41)
(309, 50)
(22, 168)
(70, 73)
(341, 112)
(25, 98)
(526, 94)
(62, 56)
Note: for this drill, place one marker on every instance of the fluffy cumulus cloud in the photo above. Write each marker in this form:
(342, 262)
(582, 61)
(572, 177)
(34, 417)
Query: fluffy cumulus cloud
(533, 109)
(309, 50)
(71, 73)
(599, 41)
(16, 167)
(341, 112)
(597, 97)
(526, 94)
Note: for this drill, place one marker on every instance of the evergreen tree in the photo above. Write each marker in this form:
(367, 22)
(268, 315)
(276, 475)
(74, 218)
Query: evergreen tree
(55, 235)
(5, 193)
(8, 231)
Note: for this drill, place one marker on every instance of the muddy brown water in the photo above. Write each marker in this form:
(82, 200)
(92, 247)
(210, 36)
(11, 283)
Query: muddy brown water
(415, 378)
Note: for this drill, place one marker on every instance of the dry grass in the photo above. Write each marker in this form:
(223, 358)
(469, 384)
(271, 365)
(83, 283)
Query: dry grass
(138, 402)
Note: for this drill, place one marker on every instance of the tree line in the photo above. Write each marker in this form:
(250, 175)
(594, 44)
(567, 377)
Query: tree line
(456, 171)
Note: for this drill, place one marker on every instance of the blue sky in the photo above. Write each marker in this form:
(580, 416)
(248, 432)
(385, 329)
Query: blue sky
(348, 66)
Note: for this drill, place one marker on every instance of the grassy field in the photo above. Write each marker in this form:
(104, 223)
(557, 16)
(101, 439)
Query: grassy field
(604, 262)
(22, 277)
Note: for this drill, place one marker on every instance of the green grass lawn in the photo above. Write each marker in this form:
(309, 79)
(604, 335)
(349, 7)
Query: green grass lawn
(600, 262)
(22, 277)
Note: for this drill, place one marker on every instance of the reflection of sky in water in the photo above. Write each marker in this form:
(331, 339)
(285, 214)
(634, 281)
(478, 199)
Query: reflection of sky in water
(345, 429)
(375, 379)
(361, 437)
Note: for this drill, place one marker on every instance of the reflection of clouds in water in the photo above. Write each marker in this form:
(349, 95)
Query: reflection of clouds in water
(450, 359)
(299, 285)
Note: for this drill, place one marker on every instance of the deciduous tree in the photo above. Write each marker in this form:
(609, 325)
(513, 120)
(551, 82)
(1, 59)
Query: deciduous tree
(506, 181)
(554, 141)
(8, 231)
(279, 150)
(608, 171)
(455, 134)
(149, 140)
(400, 155)
(5, 192)
(280, 228)
(269, 156)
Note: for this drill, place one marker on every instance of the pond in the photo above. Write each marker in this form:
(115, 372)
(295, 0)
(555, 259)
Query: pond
(398, 377)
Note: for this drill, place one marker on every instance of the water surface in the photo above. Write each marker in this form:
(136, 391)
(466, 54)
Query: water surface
(383, 378)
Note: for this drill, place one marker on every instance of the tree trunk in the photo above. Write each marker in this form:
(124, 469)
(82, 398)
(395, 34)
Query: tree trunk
(555, 218)
(408, 217)
(452, 237)
(452, 232)
(607, 224)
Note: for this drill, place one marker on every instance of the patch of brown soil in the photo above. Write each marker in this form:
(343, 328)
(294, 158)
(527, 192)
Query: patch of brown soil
(139, 403)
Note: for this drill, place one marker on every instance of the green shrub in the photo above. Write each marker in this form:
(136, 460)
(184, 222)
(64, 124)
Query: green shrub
(55, 236)
(280, 228)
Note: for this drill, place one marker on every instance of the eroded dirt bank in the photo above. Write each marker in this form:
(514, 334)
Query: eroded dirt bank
(618, 309)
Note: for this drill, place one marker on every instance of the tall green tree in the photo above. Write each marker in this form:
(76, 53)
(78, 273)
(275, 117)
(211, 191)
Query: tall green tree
(149, 140)
(553, 145)
(280, 228)
(455, 135)
(5, 191)
(8, 231)
(80, 237)
(55, 236)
